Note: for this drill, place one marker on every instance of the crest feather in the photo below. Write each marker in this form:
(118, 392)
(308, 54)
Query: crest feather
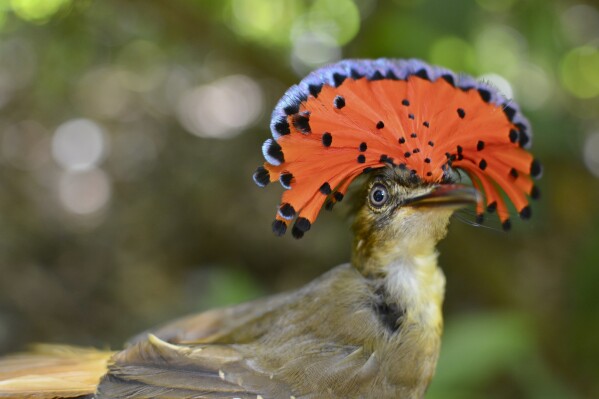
(357, 115)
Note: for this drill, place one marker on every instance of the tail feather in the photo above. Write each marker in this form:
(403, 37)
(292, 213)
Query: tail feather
(52, 372)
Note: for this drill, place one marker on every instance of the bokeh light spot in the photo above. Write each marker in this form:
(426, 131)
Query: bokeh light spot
(533, 86)
(311, 50)
(221, 109)
(580, 72)
(78, 144)
(38, 11)
(84, 191)
(337, 18)
(500, 48)
(265, 21)
(453, 53)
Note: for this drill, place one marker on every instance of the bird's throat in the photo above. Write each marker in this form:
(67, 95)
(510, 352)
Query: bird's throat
(410, 275)
(418, 286)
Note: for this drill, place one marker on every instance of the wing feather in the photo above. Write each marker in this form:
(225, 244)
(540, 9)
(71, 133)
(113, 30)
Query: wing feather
(154, 368)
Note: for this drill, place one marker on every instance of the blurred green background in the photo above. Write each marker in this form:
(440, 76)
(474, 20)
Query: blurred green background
(129, 131)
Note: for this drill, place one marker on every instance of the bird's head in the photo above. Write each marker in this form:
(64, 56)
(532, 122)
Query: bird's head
(395, 210)
(407, 126)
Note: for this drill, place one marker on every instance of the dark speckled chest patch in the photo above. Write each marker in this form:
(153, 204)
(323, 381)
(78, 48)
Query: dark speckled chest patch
(389, 313)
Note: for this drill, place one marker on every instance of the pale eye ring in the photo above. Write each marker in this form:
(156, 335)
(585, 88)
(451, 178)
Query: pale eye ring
(379, 195)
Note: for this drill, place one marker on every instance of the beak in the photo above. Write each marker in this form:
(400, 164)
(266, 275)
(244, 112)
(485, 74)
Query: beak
(446, 196)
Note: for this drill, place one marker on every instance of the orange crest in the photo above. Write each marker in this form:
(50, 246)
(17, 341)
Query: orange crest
(357, 115)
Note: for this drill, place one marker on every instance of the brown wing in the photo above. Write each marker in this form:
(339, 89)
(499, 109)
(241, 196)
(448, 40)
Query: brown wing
(153, 368)
(214, 325)
(51, 372)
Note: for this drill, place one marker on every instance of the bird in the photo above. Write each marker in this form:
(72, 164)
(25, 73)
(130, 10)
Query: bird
(421, 142)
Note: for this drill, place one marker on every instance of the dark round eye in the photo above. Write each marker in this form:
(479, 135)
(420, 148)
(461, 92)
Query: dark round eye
(378, 195)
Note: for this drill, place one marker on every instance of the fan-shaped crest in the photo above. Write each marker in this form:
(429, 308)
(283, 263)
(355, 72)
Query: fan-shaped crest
(348, 118)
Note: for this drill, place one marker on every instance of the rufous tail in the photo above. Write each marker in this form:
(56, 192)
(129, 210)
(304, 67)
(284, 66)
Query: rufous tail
(52, 372)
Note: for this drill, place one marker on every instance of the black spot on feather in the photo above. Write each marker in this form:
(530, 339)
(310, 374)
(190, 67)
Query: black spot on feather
(507, 225)
(514, 173)
(338, 79)
(315, 89)
(361, 158)
(405, 102)
(461, 113)
(329, 205)
(274, 150)
(380, 125)
(363, 146)
(327, 139)
(422, 74)
(525, 213)
(279, 227)
(287, 211)
(282, 126)
(302, 122)
(513, 135)
(261, 176)
(524, 139)
(536, 169)
(509, 112)
(325, 188)
(449, 79)
(355, 74)
(377, 75)
(492, 207)
(480, 145)
(296, 233)
(485, 95)
(402, 140)
(339, 102)
(291, 109)
(285, 179)
(391, 75)
(425, 124)
(338, 196)
(302, 224)
(482, 164)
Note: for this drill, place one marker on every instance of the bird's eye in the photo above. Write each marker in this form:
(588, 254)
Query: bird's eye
(378, 195)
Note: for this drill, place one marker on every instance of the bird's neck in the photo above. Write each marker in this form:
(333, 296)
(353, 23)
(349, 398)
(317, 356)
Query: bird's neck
(417, 285)
(408, 269)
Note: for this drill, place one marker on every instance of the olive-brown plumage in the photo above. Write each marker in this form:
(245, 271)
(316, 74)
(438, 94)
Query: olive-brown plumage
(370, 329)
